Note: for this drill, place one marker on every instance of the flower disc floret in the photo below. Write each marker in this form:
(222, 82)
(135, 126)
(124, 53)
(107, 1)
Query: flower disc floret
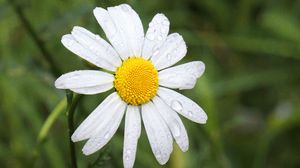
(136, 81)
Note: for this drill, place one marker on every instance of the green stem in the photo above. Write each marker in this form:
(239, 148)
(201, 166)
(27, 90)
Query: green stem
(72, 103)
(60, 107)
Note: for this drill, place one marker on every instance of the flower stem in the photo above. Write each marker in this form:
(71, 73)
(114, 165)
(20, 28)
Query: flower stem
(72, 103)
(59, 108)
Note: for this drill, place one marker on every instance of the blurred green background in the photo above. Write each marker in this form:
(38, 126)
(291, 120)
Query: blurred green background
(250, 90)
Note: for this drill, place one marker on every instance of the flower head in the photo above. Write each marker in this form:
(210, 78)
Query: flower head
(141, 75)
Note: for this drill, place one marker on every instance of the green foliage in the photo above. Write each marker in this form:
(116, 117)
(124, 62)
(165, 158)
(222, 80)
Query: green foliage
(250, 89)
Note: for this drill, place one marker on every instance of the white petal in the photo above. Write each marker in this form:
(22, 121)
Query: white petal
(174, 123)
(156, 34)
(183, 76)
(97, 45)
(158, 133)
(93, 90)
(172, 50)
(73, 45)
(131, 135)
(105, 131)
(96, 119)
(85, 81)
(123, 28)
(182, 105)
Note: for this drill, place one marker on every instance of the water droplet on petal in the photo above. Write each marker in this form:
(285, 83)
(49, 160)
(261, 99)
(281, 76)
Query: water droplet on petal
(97, 37)
(128, 151)
(150, 30)
(125, 8)
(110, 27)
(163, 30)
(176, 129)
(203, 118)
(70, 43)
(150, 36)
(175, 51)
(156, 52)
(169, 57)
(159, 37)
(126, 157)
(190, 113)
(106, 136)
(98, 52)
(155, 48)
(176, 105)
(165, 22)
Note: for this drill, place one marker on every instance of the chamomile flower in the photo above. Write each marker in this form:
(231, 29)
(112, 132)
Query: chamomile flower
(138, 68)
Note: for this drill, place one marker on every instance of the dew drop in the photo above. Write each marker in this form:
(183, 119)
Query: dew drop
(176, 105)
(97, 62)
(163, 30)
(128, 151)
(156, 52)
(159, 37)
(98, 53)
(169, 57)
(175, 51)
(125, 8)
(176, 129)
(97, 37)
(70, 43)
(155, 48)
(150, 36)
(106, 136)
(150, 30)
(110, 27)
(190, 113)
(92, 48)
(165, 22)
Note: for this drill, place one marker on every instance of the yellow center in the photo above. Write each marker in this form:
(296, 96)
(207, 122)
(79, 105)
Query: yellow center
(136, 81)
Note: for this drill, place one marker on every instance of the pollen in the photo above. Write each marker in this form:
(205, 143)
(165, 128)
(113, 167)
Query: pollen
(136, 81)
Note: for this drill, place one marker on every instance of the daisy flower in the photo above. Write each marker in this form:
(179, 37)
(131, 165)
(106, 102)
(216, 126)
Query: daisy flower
(138, 69)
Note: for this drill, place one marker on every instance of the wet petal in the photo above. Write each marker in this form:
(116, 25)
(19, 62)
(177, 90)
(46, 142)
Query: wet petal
(174, 123)
(85, 81)
(182, 105)
(156, 35)
(158, 133)
(105, 131)
(86, 53)
(131, 135)
(172, 51)
(182, 76)
(96, 119)
(123, 28)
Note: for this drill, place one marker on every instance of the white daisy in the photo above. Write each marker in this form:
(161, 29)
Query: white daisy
(140, 74)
